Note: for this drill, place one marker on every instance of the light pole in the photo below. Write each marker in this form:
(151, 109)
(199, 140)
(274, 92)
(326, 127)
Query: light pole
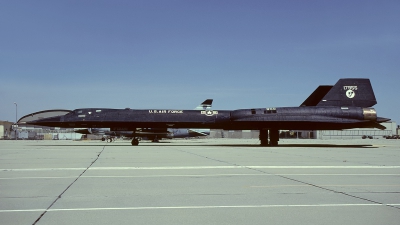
(16, 112)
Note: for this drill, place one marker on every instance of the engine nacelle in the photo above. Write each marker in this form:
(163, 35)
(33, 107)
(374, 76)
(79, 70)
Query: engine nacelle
(369, 114)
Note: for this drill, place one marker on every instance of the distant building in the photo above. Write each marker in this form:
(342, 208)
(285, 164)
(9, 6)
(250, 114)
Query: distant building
(357, 133)
(5, 129)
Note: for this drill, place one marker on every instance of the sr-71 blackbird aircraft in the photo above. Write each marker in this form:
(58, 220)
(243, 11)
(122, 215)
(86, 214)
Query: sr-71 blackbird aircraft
(345, 105)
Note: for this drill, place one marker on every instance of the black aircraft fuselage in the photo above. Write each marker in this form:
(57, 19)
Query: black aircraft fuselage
(284, 118)
(345, 105)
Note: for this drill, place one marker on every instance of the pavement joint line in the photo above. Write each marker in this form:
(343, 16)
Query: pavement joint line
(327, 189)
(258, 169)
(200, 207)
(59, 196)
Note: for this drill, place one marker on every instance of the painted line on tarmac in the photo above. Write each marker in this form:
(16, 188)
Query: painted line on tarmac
(40, 169)
(207, 167)
(330, 185)
(244, 167)
(194, 175)
(196, 207)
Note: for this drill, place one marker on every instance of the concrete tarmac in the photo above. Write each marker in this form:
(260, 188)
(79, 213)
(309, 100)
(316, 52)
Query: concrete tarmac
(200, 181)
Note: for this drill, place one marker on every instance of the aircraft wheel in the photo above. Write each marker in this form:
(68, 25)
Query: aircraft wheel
(273, 143)
(103, 139)
(264, 142)
(135, 141)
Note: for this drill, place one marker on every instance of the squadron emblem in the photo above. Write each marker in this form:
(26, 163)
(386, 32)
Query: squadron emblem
(209, 112)
(350, 93)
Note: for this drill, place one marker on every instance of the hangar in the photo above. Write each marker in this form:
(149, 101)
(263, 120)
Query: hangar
(30, 132)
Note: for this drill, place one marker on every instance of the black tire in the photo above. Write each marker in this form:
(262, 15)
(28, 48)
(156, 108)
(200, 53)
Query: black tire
(135, 142)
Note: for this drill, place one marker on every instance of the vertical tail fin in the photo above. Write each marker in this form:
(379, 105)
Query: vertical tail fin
(350, 92)
(205, 105)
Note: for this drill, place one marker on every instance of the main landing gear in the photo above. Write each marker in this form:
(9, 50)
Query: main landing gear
(273, 137)
(135, 140)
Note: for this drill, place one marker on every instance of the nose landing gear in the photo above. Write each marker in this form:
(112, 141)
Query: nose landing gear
(135, 141)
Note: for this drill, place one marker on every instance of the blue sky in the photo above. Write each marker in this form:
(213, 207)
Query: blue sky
(174, 54)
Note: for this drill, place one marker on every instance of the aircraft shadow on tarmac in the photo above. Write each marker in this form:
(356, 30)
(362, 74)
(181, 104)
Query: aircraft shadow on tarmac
(299, 146)
(161, 144)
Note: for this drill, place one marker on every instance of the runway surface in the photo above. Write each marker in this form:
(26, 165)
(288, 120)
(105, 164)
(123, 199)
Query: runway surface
(200, 181)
